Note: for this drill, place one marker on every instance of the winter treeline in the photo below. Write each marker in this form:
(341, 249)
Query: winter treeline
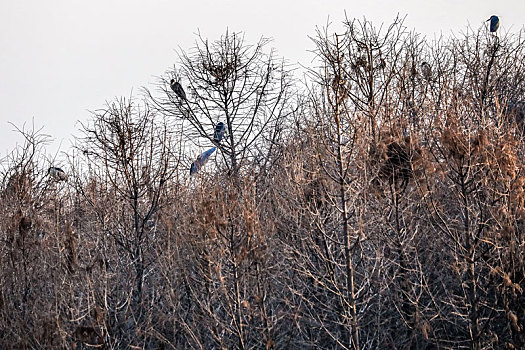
(378, 203)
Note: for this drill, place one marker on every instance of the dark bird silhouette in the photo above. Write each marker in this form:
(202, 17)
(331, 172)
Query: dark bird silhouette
(426, 70)
(57, 174)
(494, 23)
(201, 160)
(220, 129)
(177, 88)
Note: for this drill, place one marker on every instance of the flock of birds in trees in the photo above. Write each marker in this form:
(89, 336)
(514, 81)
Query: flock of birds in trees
(218, 134)
(426, 70)
(59, 175)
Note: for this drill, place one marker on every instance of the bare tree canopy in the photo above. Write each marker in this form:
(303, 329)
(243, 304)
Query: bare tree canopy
(245, 87)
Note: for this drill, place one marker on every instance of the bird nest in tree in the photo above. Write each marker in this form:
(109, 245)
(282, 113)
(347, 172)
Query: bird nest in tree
(221, 71)
(393, 159)
(315, 190)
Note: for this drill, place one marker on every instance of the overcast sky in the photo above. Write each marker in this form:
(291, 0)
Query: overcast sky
(60, 59)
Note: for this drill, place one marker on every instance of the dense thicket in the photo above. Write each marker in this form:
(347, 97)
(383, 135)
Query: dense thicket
(380, 204)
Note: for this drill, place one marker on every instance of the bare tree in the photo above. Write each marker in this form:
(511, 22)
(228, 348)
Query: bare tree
(128, 151)
(231, 81)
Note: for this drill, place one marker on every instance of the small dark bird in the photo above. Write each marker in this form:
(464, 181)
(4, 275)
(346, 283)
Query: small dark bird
(220, 129)
(177, 88)
(494, 23)
(201, 160)
(57, 174)
(426, 70)
(193, 168)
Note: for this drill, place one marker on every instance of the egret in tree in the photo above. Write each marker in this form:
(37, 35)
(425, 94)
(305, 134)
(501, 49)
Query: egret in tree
(220, 129)
(201, 160)
(494, 23)
(57, 174)
(177, 88)
(426, 70)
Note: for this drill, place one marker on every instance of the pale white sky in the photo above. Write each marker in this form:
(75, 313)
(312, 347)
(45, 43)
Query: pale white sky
(61, 58)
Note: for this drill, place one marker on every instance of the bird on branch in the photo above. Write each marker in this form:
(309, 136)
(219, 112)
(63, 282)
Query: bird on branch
(177, 88)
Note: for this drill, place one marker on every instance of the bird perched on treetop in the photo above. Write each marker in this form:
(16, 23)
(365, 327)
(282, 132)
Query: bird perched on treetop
(57, 173)
(220, 129)
(426, 70)
(177, 88)
(494, 23)
(201, 160)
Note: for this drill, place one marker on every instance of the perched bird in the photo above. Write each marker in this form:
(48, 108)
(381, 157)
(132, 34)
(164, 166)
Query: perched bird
(57, 174)
(201, 160)
(426, 70)
(177, 88)
(220, 129)
(494, 23)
